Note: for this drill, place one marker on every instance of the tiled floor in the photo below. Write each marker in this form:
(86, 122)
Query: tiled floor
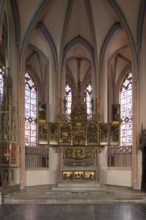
(73, 212)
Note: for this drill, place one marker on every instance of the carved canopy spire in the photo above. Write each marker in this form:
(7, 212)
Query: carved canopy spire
(79, 81)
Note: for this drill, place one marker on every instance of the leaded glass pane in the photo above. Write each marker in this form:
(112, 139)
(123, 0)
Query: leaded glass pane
(27, 132)
(88, 99)
(1, 83)
(68, 98)
(30, 111)
(126, 111)
(27, 125)
(33, 126)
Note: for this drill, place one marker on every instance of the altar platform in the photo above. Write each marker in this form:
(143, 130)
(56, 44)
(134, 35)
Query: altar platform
(75, 194)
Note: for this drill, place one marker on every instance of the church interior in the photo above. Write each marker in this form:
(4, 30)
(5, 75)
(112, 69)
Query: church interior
(72, 93)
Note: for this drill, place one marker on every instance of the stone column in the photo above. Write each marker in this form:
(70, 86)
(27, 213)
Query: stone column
(53, 109)
(21, 132)
(103, 118)
(136, 129)
(53, 165)
(59, 164)
(12, 54)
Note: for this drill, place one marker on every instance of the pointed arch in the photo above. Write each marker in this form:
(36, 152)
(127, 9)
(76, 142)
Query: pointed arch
(16, 20)
(50, 42)
(66, 21)
(41, 6)
(117, 9)
(38, 51)
(141, 21)
(81, 40)
(2, 8)
(89, 10)
(106, 41)
(70, 79)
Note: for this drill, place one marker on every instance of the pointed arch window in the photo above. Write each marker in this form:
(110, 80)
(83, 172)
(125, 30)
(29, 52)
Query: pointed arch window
(126, 110)
(30, 111)
(89, 99)
(68, 99)
(2, 71)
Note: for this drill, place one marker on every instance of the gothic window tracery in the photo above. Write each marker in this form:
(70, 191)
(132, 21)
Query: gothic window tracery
(126, 110)
(1, 83)
(30, 111)
(89, 99)
(68, 99)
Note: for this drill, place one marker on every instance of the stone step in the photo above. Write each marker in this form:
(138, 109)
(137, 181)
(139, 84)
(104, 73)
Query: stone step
(62, 194)
(8, 190)
(78, 187)
(45, 195)
(78, 193)
(107, 200)
(71, 184)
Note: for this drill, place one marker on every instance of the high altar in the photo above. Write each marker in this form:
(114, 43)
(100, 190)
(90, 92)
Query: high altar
(78, 138)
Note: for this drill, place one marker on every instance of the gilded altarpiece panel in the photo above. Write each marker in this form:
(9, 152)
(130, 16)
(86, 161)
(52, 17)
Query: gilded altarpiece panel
(79, 156)
(79, 175)
(65, 132)
(79, 121)
(92, 134)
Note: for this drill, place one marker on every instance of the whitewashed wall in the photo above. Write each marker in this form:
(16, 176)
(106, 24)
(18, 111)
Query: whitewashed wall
(119, 177)
(37, 177)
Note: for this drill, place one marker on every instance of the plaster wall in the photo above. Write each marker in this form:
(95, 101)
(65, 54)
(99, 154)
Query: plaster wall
(139, 156)
(143, 80)
(17, 176)
(53, 162)
(37, 177)
(103, 165)
(119, 177)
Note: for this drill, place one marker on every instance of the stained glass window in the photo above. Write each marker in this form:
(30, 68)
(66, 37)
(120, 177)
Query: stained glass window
(1, 83)
(30, 111)
(89, 99)
(68, 98)
(126, 111)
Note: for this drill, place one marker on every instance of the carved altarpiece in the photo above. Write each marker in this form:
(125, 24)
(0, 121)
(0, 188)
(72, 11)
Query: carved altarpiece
(8, 133)
(79, 137)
